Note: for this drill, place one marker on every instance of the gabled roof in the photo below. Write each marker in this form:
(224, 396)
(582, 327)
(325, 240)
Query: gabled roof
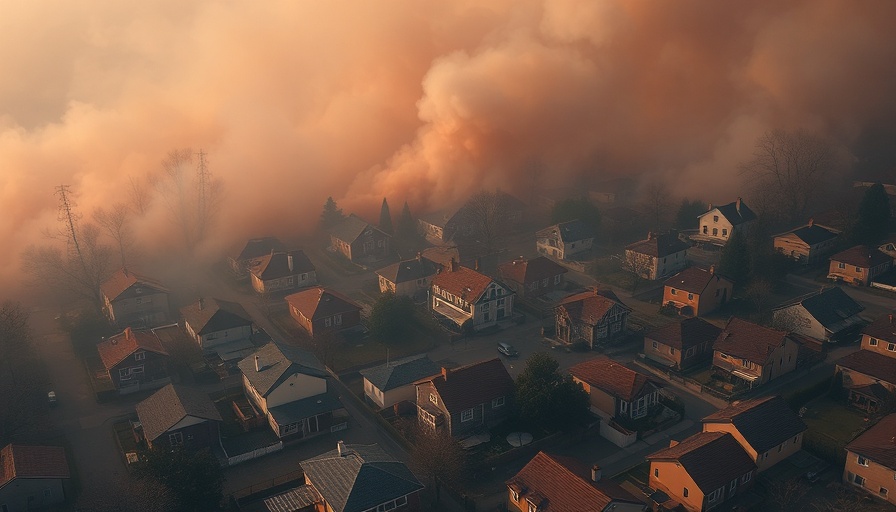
(527, 271)
(871, 363)
(409, 270)
(473, 384)
(831, 307)
(862, 256)
(21, 461)
(439, 218)
(764, 422)
(878, 442)
(687, 333)
(712, 459)
(812, 233)
(883, 328)
(363, 477)
(590, 306)
(123, 279)
(694, 279)
(277, 363)
(463, 282)
(611, 377)
(564, 485)
(115, 349)
(351, 228)
(395, 374)
(736, 212)
(570, 231)
(276, 265)
(168, 406)
(258, 247)
(319, 302)
(659, 246)
(749, 341)
(212, 315)
(293, 499)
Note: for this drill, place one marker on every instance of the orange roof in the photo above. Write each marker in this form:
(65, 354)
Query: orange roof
(750, 341)
(527, 271)
(693, 279)
(611, 377)
(18, 461)
(463, 282)
(318, 302)
(862, 256)
(115, 349)
(589, 306)
(124, 279)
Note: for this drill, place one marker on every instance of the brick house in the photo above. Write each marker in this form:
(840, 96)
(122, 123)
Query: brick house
(681, 345)
(767, 428)
(695, 291)
(33, 478)
(869, 375)
(564, 241)
(179, 416)
(466, 400)
(359, 241)
(702, 471)
(470, 299)
(657, 257)
(135, 360)
(807, 244)
(532, 278)
(592, 317)
(718, 224)
(320, 311)
(871, 460)
(859, 265)
(615, 390)
(749, 354)
(282, 271)
(132, 300)
(255, 248)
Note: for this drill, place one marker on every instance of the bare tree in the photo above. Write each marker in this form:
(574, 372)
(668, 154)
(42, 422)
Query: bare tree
(437, 456)
(22, 376)
(641, 265)
(116, 222)
(174, 189)
(786, 494)
(484, 218)
(657, 203)
(845, 500)
(139, 194)
(759, 291)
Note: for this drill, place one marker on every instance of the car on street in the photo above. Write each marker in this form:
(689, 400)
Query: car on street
(507, 349)
(51, 398)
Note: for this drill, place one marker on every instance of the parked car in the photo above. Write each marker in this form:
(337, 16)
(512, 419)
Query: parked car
(507, 349)
(51, 398)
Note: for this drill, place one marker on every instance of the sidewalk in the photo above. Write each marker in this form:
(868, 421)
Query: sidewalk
(635, 454)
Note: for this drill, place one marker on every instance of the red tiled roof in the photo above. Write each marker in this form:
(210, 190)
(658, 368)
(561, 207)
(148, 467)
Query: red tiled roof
(463, 282)
(861, 256)
(693, 279)
(712, 459)
(19, 461)
(124, 279)
(749, 341)
(690, 332)
(318, 302)
(473, 384)
(871, 363)
(115, 349)
(528, 271)
(589, 306)
(659, 246)
(878, 442)
(565, 485)
(611, 377)
(883, 328)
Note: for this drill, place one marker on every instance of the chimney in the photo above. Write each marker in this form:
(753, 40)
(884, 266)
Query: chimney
(476, 264)
(672, 443)
(445, 373)
(289, 259)
(712, 270)
(738, 205)
(257, 364)
(340, 448)
(201, 303)
(710, 206)
(650, 235)
(595, 473)
(811, 222)
(452, 265)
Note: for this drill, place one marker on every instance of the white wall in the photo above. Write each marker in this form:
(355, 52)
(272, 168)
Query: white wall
(296, 387)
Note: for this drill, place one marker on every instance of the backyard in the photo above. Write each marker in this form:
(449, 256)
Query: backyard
(832, 425)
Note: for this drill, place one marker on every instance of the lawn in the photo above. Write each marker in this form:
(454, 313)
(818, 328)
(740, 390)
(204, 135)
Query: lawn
(832, 426)
(366, 352)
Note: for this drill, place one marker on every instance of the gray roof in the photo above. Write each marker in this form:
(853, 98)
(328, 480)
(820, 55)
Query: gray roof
(409, 270)
(211, 315)
(362, 478)
(401, 372)
(169, 405)
(278, 363)
(296, 411)
(832, 307)
(293, 499)
(257, 247)
(736, 215)
(572, 231)
(351, 228)
(814, 234)
(764, 422)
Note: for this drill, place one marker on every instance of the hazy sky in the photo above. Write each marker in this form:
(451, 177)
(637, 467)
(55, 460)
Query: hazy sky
(425, 101)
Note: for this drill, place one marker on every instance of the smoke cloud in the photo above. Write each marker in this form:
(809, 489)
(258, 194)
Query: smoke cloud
(418, 101)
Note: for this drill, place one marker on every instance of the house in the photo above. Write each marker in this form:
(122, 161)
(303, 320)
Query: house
(750, 354)
(807, 244)
(359, 241)
(179, 416)
(465, 400)
(320, 311)
(592, 317)
(439, 227)
(33, 477)
(565, 241)
(532, 278)
(469, 299)
(132, 300)
(289, 387)
(888, 246)
(702, 471)
(135, 360)
(859, 265)
(659, 256)
(829, 315)
(681, 345)
(869, 375)
(255, 248)
(871, 460)
(393, 382)
(616, 391)
(767, 428)
(408, 277)
(718, 224)
(550, 483)
(215, 322)
(696, 291)
(282, 271)
(361, 478)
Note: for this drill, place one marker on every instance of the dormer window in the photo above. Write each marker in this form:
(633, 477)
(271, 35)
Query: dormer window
(434, 399)
(139, 356)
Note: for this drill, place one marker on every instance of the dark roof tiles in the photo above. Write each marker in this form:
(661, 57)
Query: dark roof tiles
(871, 363)
(169, 405)
(693, 279)
(590, 306)
(687, 333)
(878, 442)
(712, 459)
(276, 364)
(749, 341)
(473, 384)
(401, 372)
(528, 271)
(612, 377)
(319, 302)
(764, 422)
(862, 256)
(659, 246)
(883, 328)
(409, 270)
(212, 315)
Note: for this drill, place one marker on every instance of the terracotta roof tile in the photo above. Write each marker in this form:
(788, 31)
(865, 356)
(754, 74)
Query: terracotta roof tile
(883, 328)
(590, 306)
(473, 384)
(693, 279)
(878, 442)
(749, 341)
(463, 282)
(687, 333)
(862, 256)
(659, 246)
(712, 459)
(764, 422)
(871, 363)
(124, 279)
(115, 349)
(528, 271)
(319, 302)
(20, 461)
(611, 377)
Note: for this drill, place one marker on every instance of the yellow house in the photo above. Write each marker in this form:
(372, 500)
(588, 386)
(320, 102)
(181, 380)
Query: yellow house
(696, 291)
(870, 373)
(807, 244)
(717, 225)
(871, 460)
(750, 354)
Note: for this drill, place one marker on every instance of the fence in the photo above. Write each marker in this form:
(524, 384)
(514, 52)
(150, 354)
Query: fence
(617, 434)
(292, 476)
(254, 454)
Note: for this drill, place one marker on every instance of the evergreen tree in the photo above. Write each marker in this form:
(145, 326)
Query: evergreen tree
(406, 227)
(386, 219)
(547, 398)
(687, 213)
(735, 259)
(582, 209)
(873, 220)
(331, 215)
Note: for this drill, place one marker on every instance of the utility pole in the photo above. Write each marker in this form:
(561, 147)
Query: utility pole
(68, 216)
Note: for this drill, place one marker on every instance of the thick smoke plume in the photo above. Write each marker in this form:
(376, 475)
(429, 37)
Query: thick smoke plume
(424, 101)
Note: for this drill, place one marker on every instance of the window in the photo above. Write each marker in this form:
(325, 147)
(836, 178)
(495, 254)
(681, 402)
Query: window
(883, 491)
(690, 352)
(841, 265)
(674, 291)
(723, 355)
(891, 347)
(175, 439)
(290, 281)
(724, 231)
(690, 296)
(557, 279)
(862, 461)
(533, 286)
(337, 320)
(515, 495)
(497, 402)
(779, 447)
(466, 415)
(328, 322)
(858, 480)
(796, 439)
(501, 302)
(544, 283)
(139, 356)
(656, 472)
(685, 492)
(672, 351)
(137, 369)
(486, 306)
(533, 507)
(704, 230)
(744, 363)
(139, 300)
(858, 270)
(434, 399)
(873, 342)
(623, 405)
(733, 486)
(715, 218)
(746, 478)
(715, 495)
(654, 345)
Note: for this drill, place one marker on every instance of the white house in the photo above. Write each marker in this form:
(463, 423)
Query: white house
(214, 322)
(657, 257)
(565, 240)
(393, 382)
(718, 224)
(826, 315)
(807, 244)
(282, 271)
(467, 297)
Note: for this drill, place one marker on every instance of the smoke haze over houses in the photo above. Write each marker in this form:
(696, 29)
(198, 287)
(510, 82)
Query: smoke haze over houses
(424, 101)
